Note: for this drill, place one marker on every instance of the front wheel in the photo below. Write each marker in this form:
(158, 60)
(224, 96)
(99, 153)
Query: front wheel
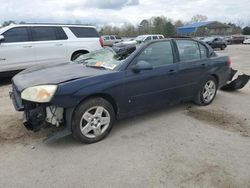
(207, 92)
(93, 120)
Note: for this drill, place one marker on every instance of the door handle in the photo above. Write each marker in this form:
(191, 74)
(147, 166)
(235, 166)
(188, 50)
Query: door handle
(59, 44)
(2, 59)
(27, 46)
(172, 71)
(204, 64)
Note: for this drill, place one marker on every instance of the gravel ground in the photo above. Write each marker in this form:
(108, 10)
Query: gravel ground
(180, 146)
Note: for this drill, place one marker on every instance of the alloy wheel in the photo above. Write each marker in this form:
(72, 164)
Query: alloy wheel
(209, 91)
(94, 122)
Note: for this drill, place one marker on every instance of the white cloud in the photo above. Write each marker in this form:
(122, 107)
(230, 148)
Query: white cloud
(119, 11)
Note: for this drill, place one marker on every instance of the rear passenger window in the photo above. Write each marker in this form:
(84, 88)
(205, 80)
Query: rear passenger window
(155, 37)
(112, 37)
(160, 37)
(118, 37)
(203, 51)
(158, 54)
(41, 33)
(84, 32)
(188, 50)
(19, 34)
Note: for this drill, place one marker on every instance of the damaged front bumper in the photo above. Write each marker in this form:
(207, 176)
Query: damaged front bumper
(38, 116)
(236, 81)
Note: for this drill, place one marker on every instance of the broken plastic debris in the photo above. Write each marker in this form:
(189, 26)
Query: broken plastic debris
(236, 81)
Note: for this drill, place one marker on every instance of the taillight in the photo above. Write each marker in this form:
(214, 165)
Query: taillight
(229, 62)
(101, 41)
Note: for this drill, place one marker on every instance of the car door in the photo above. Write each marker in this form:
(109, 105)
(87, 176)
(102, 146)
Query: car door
(217, 43)
(17, 50)
(149, 88)
(193, 65)
(49, 44)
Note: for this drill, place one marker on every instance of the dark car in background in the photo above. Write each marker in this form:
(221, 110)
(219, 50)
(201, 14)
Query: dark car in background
(88, 95)
(237, 39)
(216, 42)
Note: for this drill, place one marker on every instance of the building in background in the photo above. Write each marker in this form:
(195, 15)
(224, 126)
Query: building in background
(205, 29)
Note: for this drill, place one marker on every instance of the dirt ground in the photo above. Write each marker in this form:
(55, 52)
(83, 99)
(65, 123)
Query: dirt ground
(180, 146)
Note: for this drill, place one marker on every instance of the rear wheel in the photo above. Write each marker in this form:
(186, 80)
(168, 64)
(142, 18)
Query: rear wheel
(93, 120)
(207, 92)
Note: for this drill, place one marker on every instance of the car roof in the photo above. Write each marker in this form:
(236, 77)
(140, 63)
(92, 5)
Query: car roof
(149, 35)
(49, 24)
(3, 29)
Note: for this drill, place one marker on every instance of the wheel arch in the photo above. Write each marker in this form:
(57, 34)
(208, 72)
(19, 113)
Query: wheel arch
(105, 96)
(216, 78)
(82, 51)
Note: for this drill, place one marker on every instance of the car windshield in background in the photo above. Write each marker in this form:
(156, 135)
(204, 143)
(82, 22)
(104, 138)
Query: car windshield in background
(139, 38)
(105, 58)
(208, 39)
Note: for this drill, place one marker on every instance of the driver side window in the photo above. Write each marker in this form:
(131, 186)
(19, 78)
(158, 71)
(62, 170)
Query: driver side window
(19, 34)
(157, 54)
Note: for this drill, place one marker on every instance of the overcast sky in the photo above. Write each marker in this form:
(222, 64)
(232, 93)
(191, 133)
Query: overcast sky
(116, 12)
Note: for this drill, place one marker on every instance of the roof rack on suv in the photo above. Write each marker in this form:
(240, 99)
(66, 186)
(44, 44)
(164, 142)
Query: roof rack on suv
(55, 24)
(180, 36)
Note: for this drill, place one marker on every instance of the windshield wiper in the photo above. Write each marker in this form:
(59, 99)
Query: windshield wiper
(97, 67)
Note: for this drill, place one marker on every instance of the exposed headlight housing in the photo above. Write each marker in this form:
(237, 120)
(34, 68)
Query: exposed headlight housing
(41, 94)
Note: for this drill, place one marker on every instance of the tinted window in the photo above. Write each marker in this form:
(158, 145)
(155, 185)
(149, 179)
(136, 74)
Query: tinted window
(84, 32)
(112, 37)
(160, 37)
(19, 34)
(106, 38)
(118, 37)
(157, 54)
(61, 35)
(188, 50)
(148, 38)
(42, 33)
(203, 51)
(155, 37)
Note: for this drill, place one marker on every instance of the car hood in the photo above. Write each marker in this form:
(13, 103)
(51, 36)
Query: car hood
(54, 74)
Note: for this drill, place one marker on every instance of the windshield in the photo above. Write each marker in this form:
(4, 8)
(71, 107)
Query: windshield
(139, 38)
(207, 39)
(105, 58)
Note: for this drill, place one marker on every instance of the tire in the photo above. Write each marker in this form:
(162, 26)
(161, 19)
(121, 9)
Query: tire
(210, 90)
(223, 47)
(93, 120)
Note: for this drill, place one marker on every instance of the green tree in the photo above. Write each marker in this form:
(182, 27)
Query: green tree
(246, 30)
(170, 29)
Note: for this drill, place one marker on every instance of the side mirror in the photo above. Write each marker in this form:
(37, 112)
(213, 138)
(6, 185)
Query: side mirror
(1, 38)
(141, 65)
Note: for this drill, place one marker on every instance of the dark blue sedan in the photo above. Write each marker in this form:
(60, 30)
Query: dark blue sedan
(88, 95)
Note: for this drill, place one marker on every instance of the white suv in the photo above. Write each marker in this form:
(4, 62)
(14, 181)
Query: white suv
(23, 46)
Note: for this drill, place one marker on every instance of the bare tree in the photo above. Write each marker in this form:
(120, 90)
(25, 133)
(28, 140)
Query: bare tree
(198, 18)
